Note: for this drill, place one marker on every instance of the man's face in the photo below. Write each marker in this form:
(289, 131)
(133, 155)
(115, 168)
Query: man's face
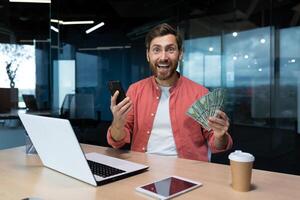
(163, 56)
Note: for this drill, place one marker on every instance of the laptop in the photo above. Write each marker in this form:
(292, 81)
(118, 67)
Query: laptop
(30, 102)
(59, 149)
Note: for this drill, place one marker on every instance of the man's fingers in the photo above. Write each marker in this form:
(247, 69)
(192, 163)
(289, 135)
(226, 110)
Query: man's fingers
(113, 99)
(125, 107)
(123, 102)
(126, 111)
(214, 126)
(217, 120)
(221, 114)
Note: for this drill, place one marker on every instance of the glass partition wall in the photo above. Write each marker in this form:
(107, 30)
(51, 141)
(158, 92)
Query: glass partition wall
(97, 56)
(24, 49)
(253, 52)
(250, 48)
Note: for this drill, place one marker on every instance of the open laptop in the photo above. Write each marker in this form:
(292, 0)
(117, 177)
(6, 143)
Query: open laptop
(30, 102)
(59, 149)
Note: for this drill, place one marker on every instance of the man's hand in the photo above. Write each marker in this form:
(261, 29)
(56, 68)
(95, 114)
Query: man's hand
(119, 112)
(219, 124)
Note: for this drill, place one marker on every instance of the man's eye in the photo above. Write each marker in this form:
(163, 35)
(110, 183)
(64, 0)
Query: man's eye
(171, 50)
(156, 50)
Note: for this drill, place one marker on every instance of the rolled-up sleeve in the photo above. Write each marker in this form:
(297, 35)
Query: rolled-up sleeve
(213, 147)
(117, 144)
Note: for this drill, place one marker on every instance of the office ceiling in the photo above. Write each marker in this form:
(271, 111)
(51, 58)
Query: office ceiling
(128, 18)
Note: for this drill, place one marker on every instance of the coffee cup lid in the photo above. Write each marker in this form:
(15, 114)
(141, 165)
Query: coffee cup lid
(240, 156)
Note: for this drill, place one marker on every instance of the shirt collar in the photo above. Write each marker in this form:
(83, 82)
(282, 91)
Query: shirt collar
(176, 85)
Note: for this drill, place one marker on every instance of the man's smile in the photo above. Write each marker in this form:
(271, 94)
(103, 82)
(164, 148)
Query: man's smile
(165, 66)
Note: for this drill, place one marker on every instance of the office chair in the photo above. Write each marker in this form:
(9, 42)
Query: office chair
(82, 107)
(79, 109)
(66, 106)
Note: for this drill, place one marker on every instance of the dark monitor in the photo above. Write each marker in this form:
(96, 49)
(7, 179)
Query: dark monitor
(30, 102)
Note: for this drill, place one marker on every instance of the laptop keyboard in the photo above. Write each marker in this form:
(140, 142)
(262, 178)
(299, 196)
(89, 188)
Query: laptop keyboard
(103, 170)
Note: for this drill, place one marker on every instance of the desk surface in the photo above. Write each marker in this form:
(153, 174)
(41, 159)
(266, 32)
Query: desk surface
(14, 113)
(23, 176)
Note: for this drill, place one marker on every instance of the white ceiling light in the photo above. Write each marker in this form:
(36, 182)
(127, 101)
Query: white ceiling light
(292, 61)
(35, 41)
(262, 40)
(71, 22)
(76, 22)
(31, 1)
(54, 29)
(105, 48)
(56, 21)
(94, 28)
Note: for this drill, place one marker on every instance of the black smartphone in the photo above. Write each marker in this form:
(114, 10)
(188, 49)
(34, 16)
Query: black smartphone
(113, 87)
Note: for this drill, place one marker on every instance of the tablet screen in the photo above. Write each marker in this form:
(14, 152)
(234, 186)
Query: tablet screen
(168, 186)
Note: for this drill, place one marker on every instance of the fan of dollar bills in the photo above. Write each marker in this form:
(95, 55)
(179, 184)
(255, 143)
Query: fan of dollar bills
(207, 106)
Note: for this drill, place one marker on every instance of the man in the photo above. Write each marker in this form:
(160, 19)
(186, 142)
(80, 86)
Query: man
(153, 115)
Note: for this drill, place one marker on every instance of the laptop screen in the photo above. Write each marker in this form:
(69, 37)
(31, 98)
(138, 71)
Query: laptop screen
(59, 149)
(30, 101)
(57, 146)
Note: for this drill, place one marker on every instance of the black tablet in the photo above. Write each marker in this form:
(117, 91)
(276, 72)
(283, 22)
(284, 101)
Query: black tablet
(168, 187)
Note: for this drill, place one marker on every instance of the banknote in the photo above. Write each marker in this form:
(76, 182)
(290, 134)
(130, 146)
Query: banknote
(206, 106)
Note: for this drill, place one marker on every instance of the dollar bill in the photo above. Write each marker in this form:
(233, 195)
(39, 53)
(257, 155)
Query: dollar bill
(207, 106)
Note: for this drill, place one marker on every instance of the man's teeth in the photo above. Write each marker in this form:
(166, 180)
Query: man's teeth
(163, 66)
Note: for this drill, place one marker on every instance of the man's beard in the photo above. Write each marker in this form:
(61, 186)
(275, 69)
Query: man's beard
(162, 77)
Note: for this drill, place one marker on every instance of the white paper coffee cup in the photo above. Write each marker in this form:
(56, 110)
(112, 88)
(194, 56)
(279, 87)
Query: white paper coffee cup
(241, 164)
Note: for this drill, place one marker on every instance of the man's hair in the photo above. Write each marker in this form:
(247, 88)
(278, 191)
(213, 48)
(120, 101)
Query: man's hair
(162, 30)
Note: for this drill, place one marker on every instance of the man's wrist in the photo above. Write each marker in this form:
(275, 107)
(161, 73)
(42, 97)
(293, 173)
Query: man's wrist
(116, 126)
(221, 142)
(117, 132)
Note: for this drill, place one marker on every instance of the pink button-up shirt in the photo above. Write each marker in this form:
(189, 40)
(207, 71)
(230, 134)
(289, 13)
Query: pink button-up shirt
(191, 139)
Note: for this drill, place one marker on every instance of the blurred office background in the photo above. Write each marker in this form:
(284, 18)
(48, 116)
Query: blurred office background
(249, 47)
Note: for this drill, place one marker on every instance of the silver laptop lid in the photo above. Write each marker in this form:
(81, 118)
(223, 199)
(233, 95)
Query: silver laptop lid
(57, 146)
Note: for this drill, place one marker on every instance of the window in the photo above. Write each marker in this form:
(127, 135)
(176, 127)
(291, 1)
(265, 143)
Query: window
(20, 61)
(202, 60)
(245, 62)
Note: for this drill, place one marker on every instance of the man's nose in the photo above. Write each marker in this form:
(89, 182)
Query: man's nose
(164, 55)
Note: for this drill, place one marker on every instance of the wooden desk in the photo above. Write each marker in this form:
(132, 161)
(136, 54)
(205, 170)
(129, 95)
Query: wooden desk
(23, 176)
(14, 113)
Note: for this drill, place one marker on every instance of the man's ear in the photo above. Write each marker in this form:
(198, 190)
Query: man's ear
(147, 55)
(180, 55)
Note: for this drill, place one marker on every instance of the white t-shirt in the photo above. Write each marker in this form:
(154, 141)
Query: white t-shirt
(161, 140)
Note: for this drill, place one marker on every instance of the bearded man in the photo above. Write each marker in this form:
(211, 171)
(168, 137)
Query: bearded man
(153, 115)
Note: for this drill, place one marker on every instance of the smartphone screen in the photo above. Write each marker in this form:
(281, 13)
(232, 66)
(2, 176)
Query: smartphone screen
(113, 87)
(168, 187)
